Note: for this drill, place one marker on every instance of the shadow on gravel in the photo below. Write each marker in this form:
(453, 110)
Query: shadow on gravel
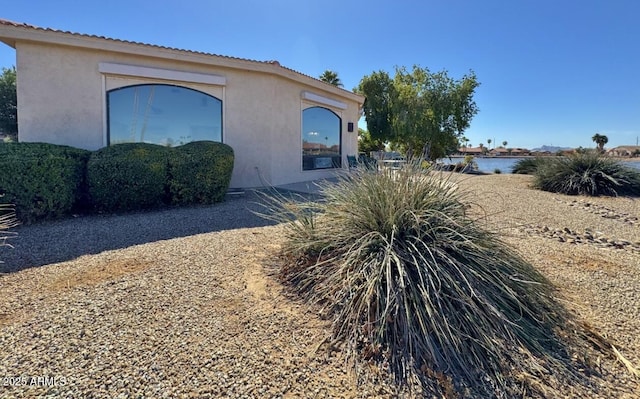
(63, 240)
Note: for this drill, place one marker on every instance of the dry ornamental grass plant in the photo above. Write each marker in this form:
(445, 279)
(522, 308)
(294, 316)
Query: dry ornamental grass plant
(412, 283)
(587, 174)
(7, 221)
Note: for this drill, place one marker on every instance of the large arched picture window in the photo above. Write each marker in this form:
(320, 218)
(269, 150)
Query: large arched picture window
(162, 114)
(321, 137)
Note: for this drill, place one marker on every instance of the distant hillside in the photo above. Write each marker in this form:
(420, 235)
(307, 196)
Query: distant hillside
(550, 148)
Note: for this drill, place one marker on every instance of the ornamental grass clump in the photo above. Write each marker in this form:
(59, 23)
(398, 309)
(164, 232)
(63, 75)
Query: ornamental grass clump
(7, 221)
(527, 166)
(587, 174)
(415, 285)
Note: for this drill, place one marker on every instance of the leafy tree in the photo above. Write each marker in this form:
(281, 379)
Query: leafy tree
(8, 103)
(600, 140)
(331, 77)
(419, 112)
(379, 91)
(366, 144)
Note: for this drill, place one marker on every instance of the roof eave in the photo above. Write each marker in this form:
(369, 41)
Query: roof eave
(13, 34)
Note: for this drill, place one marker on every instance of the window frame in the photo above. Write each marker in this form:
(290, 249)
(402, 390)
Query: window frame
(336, 160)
(116, 75)
(132, 83)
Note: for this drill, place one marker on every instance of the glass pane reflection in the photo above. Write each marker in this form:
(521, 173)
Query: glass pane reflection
(162, 114)
(321, 131)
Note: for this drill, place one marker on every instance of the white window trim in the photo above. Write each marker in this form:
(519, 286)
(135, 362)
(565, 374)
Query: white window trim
(317, 98)
(157, 73)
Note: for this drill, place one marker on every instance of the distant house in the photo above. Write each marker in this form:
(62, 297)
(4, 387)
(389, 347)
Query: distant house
(541, 153)
(520, 151)
(90, 92)
(571, 151)
(500, 151)
(472, 150)
(624, 151)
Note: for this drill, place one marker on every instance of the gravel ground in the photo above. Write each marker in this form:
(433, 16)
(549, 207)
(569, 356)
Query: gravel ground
(182, 303)
(59, 241)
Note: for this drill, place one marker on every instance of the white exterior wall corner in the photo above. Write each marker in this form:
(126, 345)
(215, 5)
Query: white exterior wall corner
(61, 100)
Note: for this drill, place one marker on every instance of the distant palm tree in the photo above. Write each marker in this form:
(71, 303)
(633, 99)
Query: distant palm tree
(463, 142)
(504, 143)
(331, 77)
(600, 140)
(489, 142)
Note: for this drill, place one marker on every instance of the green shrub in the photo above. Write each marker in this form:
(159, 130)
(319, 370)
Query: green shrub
(413, 283)
(497, 171)
(43, 180)
(587, 174)
(200, 172)
(129, 176)
(527, 166)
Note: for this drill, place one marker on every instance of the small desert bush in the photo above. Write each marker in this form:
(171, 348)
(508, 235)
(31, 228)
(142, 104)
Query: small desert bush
(527, 166)
(414, 284)
(587, 174)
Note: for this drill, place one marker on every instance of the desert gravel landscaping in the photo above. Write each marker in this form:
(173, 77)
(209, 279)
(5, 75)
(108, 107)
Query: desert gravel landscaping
(185, 302)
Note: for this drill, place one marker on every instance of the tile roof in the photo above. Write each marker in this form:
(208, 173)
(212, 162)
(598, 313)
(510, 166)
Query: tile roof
(33, 27)
(275, 63)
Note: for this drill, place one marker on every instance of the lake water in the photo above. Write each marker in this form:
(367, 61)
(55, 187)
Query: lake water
(490, 164)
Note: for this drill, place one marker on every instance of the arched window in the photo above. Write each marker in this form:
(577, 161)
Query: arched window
(321, 138)
(162, 114)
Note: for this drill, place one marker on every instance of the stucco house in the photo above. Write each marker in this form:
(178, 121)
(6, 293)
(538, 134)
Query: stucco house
(624, 151)
(89, 92)
(473, 150)
(499, 151)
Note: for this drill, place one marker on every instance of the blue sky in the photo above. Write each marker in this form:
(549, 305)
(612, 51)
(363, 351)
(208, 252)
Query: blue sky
(551, 72)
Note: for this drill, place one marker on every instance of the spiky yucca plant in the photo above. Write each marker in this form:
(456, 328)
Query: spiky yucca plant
(527, 166)
(412, 282)
(587, 174)
(7, 221)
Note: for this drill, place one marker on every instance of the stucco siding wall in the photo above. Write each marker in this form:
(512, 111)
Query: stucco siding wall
(59, 97)
(249, 111)
(61, 100)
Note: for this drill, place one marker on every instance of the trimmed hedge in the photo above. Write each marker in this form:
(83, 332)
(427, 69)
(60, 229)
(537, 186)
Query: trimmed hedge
(42, 180)
(199, 172)
(135, 176)
(46, 181)
(128, 176)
